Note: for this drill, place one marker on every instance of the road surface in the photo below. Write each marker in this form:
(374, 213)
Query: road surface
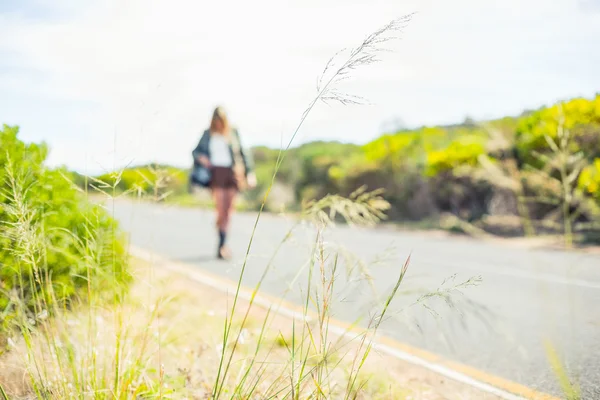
(525, 297)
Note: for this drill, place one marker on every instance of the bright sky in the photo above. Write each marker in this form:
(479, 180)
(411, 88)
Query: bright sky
(112, 82)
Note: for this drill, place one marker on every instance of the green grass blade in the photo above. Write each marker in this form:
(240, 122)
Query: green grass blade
(570, 391)
(3, 394)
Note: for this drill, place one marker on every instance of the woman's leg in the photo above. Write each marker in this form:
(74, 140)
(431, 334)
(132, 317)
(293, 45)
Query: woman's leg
(226, 209)
(219, 197)
(229, 205)
(224, 201)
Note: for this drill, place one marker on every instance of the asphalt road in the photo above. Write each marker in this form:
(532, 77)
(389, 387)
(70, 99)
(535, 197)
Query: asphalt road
(525, 297)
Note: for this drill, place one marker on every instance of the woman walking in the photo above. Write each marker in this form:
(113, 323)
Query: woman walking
(229, 167)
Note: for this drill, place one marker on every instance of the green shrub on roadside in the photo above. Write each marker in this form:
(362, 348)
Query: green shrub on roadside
(54, 244)
(581, 118)
(407, 145)
(147, 180)
(461, 152)
(589, 180)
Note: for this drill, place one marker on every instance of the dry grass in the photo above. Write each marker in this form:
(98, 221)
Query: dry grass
(174, 326)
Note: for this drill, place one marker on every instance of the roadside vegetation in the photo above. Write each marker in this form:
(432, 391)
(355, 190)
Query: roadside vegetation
(82, 320)
(65, 307)
(533, 174)
(73, 326)
(54, 245)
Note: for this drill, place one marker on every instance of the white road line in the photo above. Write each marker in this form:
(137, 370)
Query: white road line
(550, 278)
(508, 271)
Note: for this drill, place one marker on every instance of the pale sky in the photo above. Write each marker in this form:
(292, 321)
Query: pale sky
(107, 83)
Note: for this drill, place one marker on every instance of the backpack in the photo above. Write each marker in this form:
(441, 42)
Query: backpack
(200, 175)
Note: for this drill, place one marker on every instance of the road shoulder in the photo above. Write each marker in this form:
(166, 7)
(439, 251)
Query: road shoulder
(432, 376)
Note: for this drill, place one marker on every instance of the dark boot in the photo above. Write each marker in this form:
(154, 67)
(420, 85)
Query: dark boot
(223, 253)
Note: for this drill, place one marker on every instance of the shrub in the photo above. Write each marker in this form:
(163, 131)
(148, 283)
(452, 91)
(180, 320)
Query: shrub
(461, 194)
(589, 180)
(53, 243)
(464, 151)
(581, 117)
(155, 180)
(402, 143)
(314, 162)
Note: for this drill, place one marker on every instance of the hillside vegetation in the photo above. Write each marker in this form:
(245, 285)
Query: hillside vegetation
(535, 173)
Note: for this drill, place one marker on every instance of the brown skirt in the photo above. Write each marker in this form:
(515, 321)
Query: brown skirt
(223, 177)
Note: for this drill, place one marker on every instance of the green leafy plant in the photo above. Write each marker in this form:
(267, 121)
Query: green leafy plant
(581, 117)
(3, 393)
(461, 152)
(589, 180)
(49, 233)
(562, 167)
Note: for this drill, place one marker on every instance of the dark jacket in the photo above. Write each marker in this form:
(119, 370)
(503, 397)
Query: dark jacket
(203, 148)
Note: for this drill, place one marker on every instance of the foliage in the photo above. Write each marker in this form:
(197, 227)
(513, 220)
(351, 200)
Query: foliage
(464, 169)
(581, 117)
(589, 180)
(463, 151)
(53, 243)
(570, 390)
(144, 179)
(561, 166)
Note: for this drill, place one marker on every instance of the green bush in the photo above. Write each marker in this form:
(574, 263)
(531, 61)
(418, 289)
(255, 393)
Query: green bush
(407, 145)
(461, 152)
(54, 244)
(146, 179)
(581, 118)
(589, 180)
(313, 162)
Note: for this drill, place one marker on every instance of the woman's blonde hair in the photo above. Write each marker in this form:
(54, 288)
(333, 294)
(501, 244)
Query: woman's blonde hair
(220, 115)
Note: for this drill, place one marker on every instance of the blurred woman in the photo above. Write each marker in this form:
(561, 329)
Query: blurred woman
(221, 153)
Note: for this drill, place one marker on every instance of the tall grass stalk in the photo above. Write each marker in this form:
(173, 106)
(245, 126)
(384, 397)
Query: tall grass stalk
(562, 167)
(327, 90)
(310, 344)
(3, 394)
(570, 390)
(313, 356)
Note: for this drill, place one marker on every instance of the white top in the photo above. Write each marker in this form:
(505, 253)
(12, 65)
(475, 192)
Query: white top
(220, 154)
